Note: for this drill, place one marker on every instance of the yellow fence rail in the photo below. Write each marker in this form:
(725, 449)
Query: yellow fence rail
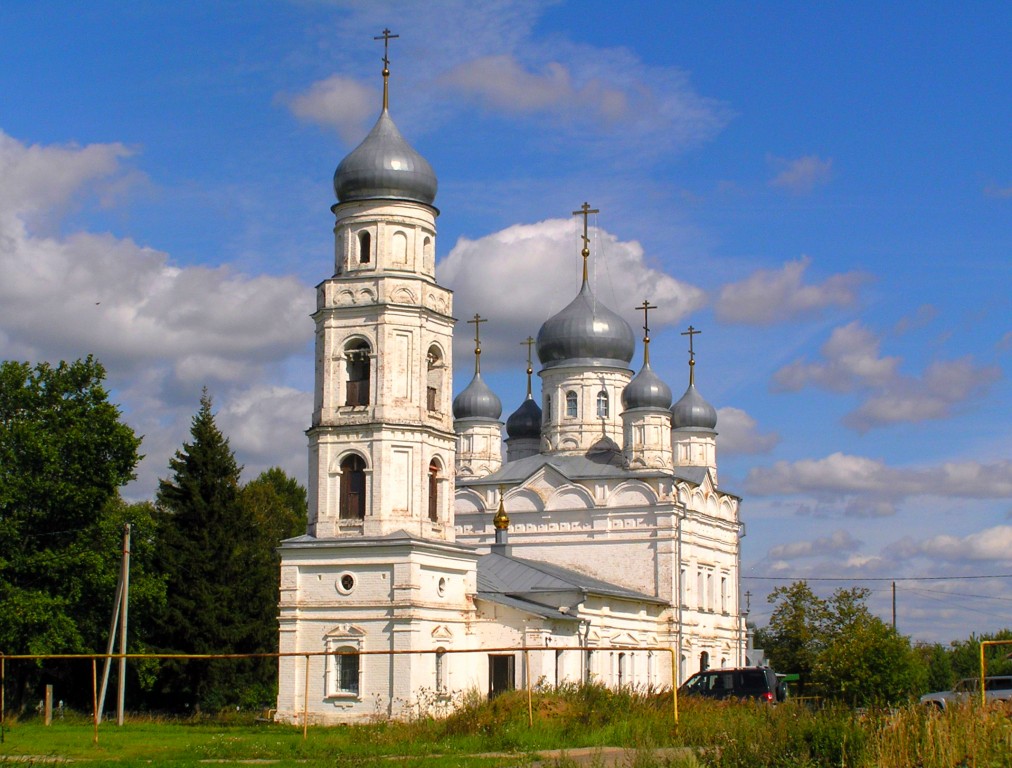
(984, 645)
(307, 655)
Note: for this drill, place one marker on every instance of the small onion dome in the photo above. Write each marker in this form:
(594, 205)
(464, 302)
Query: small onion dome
(585, 333)
(646, 390)
(693, 411)
(525, 421)
(384, 166)
(477, 401)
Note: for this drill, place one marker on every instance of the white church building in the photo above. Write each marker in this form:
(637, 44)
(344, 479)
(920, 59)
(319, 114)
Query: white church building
(437, 560)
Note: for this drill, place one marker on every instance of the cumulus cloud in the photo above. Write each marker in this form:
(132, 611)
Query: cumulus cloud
(852, 363)
(839, 542)
(802, 174)
(841, 475)
(990, 544)
(776, 296)
(162, 331)
(335, 102)
(738, 433)
(540, 265)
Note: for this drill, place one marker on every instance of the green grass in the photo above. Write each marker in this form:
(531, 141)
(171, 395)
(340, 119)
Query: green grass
(496, 733)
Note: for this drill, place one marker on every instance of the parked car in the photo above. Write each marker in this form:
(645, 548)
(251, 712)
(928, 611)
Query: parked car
(996, 688)
(760, 683)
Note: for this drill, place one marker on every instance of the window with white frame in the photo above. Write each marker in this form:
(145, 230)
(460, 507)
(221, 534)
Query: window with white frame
(571, 409)
(344, 672)
(602, 404)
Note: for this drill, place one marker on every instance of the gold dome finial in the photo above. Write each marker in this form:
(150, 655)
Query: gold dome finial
(692, 355)
(528, 342)
(585, 211)
(501, 521)
(478, 320)
(386, 37)
(646, 306)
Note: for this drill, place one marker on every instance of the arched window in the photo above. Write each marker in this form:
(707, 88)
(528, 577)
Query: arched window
(704, 661)
(346, 670)
(548, 409)
(434, 379)
(623, 671)
(434, 491)
(441, 673)
(357, 357)
(571, 405)
(364, 248)
(353, 488)
(602, 404)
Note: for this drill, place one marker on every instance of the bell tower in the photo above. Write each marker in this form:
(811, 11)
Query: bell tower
(381, 443)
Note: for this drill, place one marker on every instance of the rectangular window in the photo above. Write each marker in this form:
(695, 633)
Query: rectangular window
(343, 670)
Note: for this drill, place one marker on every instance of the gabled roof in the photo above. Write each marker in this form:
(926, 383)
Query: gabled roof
(533, 581)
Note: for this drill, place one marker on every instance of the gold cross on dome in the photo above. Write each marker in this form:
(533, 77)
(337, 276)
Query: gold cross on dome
(528, 342)
(692, 355)
(386, 37)
(478, 320)
(646, 306)
(585, 211)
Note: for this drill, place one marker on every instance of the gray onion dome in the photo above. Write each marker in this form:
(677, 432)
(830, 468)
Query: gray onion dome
(585, 333)
(384, 166)
(477, 401)
(693, 411)
(646, 390)
(525, 421)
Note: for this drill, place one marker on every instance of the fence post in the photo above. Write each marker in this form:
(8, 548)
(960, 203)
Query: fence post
(305, 702)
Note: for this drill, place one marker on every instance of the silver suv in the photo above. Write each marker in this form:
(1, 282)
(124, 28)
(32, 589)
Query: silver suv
(997, 688)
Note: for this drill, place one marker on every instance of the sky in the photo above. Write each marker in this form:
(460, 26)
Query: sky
(824, 190)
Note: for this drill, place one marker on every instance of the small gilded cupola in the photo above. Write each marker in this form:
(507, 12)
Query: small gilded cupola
(476, 412)
(523, 427)
(693, 422)
(646, 419)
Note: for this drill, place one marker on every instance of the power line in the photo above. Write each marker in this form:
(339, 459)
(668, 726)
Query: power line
(853, 579)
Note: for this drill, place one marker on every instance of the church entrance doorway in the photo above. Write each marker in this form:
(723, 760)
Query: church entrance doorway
(501, 671)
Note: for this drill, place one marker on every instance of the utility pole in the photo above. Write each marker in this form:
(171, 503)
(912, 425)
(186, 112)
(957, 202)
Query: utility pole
(894, 606)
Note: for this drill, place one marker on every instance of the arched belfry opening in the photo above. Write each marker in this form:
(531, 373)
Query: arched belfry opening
(364, 248)
(353, 490)
(357, 355)
(433, 488)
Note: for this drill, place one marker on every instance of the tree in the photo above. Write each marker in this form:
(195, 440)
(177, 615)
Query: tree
(838, 647)
(217, 545)
(63, 454)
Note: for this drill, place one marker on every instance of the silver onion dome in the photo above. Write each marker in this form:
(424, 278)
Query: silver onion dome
(585, 333)
(477, 401)
(384, 166)
(525, 421)
(693, 411)
(646, 390)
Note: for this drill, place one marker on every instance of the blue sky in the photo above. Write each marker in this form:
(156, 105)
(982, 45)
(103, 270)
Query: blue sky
(824, 189)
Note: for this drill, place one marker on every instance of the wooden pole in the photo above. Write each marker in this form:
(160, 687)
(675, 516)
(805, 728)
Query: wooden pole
(94, 699)
(125, 571)
(3, 700)
(305, 702)
(527, 674)
(117, 604)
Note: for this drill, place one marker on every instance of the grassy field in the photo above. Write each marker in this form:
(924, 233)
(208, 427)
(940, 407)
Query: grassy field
(497, 733)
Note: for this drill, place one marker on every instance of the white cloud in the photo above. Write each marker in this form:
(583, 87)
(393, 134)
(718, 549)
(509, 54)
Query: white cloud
(776, 296)
(161, 331)
(841, 475)
(839, 542)
(853, 364)
(336, 102)
(990, 544)
(802, 174)
(737, 434)
(540, 265)
(502, 83)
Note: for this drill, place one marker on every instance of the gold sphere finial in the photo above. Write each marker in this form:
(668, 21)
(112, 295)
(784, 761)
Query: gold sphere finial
(501, 521)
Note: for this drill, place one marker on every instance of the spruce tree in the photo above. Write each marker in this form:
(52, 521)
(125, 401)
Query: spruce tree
(204, 547)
